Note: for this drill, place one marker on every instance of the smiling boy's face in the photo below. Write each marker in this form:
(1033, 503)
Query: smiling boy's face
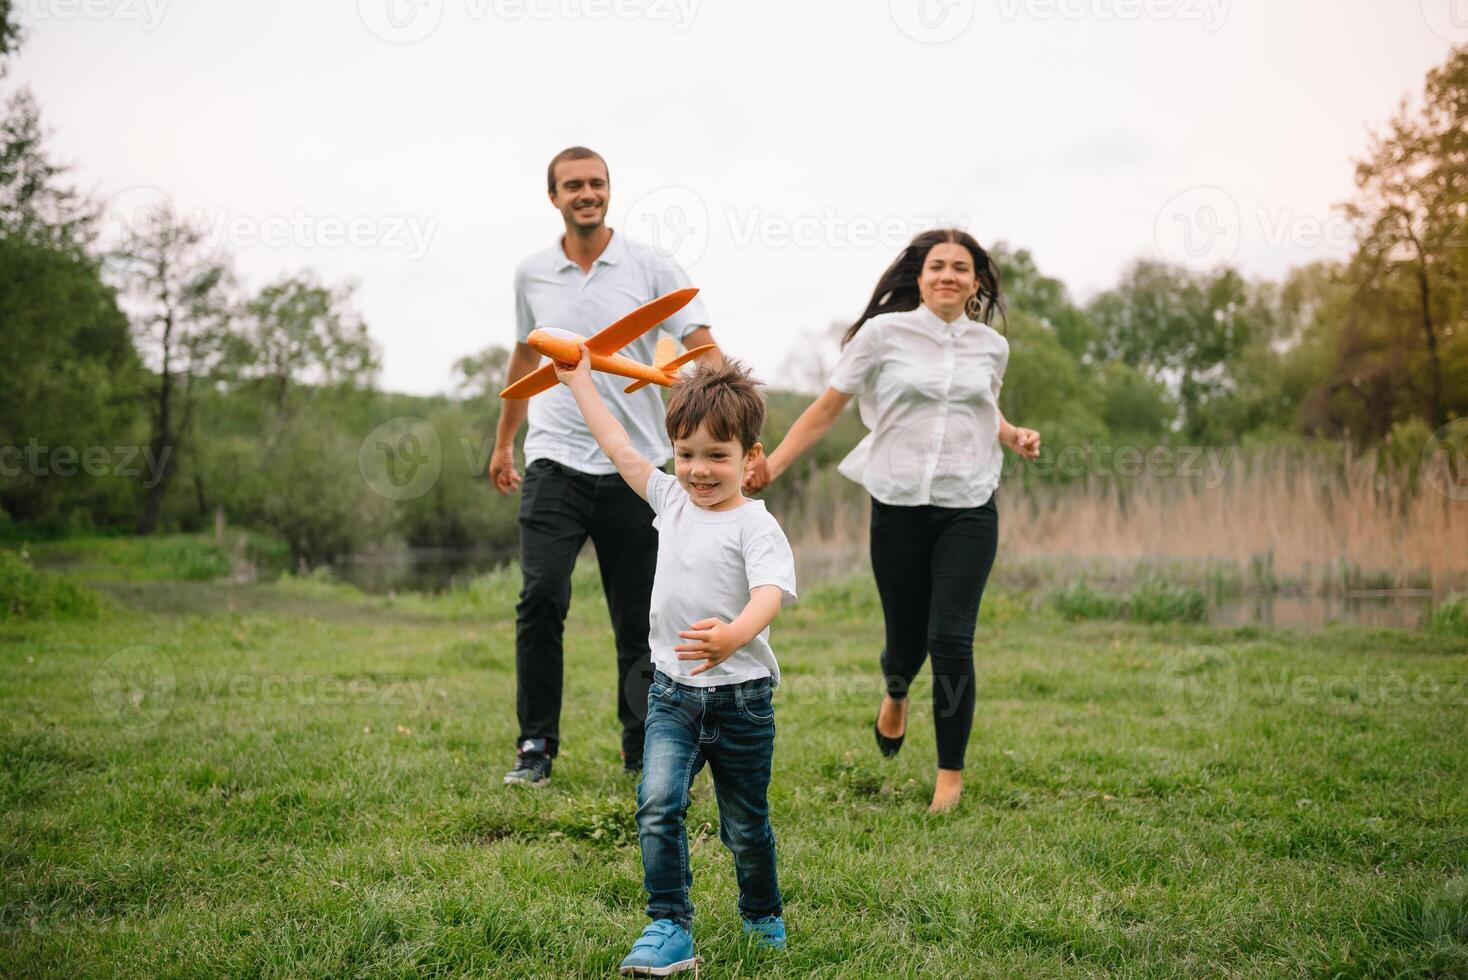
(711, 471)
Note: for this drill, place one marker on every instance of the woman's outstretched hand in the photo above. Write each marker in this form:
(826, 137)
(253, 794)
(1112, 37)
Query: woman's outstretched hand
(1025, 442)
(759, 475)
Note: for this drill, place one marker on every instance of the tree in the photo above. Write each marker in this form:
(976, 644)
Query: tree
(177, 296)
(71, 382)
(481, 376)
(297, 332)
(10, 33)
(33, 204)
(1027, 289)
(1184, 328)
(69, 365)
(1411, 207)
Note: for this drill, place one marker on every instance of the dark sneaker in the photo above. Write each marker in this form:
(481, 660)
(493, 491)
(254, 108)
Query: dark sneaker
(532, 765)
(631, 764)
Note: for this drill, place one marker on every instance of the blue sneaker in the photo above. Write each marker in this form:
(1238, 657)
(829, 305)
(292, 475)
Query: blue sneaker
(664, 947)
(768, 932)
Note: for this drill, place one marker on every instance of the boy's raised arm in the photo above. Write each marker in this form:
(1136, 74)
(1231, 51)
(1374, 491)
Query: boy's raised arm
(610, 435)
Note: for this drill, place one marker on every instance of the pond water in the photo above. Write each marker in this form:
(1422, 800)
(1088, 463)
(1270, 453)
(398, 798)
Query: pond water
(418, 569)
(436, 569)
(1398, 610)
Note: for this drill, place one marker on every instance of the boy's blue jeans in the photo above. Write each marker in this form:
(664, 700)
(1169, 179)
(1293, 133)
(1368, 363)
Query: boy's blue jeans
(732, 728)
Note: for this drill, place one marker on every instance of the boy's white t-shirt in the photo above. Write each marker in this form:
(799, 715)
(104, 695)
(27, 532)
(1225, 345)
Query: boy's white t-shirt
(707, 563)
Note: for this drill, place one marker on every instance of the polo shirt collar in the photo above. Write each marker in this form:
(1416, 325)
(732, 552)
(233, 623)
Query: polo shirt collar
(608, 256)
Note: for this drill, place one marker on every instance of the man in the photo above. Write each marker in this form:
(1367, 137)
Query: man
(571, 491)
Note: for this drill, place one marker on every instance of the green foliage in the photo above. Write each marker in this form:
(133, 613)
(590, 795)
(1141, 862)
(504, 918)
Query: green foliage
(26, 593)
(1047, 388)
(295, 330)
(314, 497)
(1152, 601)
(162, 558)
(1078, 601)
(1027, 289)
(1134, 407)
(10, 33)
(606, 822)
(1404, 339)
(1449, 618)
(1167, 321)
(71, 377)
(1156, 601)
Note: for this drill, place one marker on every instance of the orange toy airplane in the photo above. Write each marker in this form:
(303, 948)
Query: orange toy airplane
(565, 346)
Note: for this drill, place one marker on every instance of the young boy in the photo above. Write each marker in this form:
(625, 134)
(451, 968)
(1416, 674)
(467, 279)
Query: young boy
(724, 570)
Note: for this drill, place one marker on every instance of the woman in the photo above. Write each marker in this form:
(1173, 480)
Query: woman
(926, 368)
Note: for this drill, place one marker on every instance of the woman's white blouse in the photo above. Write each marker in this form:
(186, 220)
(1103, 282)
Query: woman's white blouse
(929, 392)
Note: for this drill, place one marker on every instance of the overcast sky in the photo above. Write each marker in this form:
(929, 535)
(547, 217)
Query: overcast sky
(781, 151)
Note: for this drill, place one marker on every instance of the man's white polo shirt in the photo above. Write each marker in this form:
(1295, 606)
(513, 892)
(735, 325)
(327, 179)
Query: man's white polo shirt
(552, 291)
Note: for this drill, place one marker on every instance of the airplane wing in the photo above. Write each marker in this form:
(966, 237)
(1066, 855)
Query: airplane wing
(533, 383)
(612, 339)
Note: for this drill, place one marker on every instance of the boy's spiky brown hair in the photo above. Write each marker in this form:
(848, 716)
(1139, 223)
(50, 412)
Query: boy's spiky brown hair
(724, 398)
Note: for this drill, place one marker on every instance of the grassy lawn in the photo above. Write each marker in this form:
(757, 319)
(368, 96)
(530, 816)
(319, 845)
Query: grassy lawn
(295, 779)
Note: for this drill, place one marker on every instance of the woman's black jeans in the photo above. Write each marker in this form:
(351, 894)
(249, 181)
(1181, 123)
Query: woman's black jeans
(931, 564)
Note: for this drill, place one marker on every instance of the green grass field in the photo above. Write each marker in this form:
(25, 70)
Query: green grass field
(296, 779)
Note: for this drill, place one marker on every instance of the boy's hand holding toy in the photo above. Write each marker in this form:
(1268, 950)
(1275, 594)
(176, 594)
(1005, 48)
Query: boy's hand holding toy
(571, 375)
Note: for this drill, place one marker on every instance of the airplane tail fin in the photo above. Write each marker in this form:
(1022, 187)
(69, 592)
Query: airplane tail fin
(663, 360)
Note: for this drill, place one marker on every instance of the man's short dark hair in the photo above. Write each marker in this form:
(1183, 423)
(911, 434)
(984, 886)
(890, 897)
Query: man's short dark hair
(573, 153)
(725, 399)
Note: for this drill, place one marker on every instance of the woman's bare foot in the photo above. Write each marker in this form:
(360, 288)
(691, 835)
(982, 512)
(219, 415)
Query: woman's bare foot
(892, 717)
(947, 790)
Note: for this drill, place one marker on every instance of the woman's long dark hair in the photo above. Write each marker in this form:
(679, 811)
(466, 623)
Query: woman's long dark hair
(897, 290)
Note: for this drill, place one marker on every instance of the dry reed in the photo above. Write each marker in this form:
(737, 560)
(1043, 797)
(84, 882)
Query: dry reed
(1318, 520)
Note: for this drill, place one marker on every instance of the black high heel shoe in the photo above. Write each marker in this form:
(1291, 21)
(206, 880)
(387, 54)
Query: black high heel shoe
(888, 746)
